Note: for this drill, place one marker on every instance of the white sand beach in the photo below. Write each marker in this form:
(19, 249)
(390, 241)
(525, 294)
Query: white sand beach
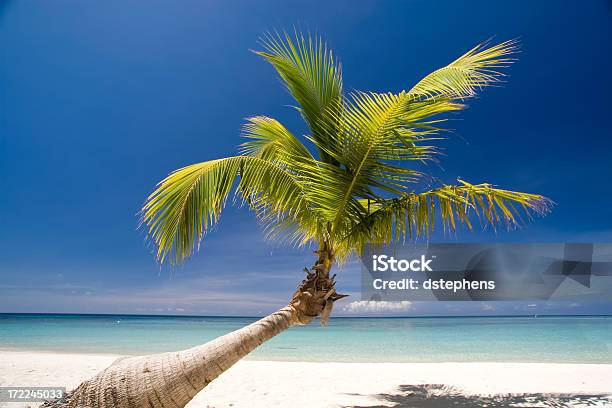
(255, 384)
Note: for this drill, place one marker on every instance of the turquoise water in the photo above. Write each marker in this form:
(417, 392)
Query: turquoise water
(542, 339)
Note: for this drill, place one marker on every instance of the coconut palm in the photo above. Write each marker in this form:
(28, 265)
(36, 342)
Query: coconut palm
(351, 182)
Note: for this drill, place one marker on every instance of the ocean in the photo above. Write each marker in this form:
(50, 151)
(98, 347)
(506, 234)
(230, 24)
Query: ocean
(561, 339)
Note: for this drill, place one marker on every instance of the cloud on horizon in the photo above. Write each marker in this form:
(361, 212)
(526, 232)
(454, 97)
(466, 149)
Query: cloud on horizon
(372, 306)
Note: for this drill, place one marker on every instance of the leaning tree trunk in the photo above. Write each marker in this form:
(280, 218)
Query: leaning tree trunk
(171, 380)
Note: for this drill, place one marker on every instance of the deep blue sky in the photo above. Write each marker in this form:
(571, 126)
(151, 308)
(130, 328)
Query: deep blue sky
(100, 100)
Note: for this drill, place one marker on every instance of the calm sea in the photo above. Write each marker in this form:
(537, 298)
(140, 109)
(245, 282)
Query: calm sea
(542, 339)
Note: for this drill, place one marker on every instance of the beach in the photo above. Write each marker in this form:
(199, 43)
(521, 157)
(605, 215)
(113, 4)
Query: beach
(353, 362)
(253, 384)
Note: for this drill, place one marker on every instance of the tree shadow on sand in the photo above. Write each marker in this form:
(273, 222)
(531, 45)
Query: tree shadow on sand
(442, 396)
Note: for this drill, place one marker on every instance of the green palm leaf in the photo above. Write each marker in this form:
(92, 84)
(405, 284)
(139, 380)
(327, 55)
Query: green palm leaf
(189, 201)
(271, 141)
(379, 131)
(312, 76)
(477, 68)
(414, 215)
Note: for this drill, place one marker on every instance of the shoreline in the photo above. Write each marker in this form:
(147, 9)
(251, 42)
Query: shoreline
(272, 360)
(254, 383)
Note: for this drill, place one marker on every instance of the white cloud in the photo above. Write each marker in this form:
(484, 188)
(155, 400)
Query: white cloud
(371, 306)
(487, 307)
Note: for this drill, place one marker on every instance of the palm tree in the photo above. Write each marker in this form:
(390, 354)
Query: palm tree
(350, 187)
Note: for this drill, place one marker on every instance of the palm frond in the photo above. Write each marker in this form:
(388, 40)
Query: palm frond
(189, 201)
(472, 71)
(377, 128)
(414, 215)
(270, 140)
(313, 77)
(378, 131)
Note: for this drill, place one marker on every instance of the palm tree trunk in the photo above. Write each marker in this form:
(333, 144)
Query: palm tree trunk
(171, 380)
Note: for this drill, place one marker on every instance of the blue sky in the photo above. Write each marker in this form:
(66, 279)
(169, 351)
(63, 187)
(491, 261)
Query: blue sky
(100, 100)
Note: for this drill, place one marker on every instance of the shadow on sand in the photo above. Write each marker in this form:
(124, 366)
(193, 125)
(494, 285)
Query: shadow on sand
(442, 396)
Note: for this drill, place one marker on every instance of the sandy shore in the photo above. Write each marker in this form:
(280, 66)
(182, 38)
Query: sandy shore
(255, 384)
